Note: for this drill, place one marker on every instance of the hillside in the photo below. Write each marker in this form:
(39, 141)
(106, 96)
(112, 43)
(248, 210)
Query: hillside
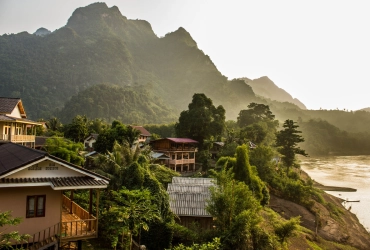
(100, 45)
(130, 105)
(266, 88)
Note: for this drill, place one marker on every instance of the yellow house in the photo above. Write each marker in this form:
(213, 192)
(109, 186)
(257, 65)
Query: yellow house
(14, 122)
(33, 185)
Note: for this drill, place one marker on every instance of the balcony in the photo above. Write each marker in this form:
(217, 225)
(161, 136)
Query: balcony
(17, 138)
(181, 161)
(77, 224)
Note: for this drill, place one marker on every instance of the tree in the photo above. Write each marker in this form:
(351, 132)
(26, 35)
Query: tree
(236, 210)
(202, 120)
(7, 239)
(255, 113)
(78, 129)
(287, 140)
(133, 210)
(65, 149)
(117, 132)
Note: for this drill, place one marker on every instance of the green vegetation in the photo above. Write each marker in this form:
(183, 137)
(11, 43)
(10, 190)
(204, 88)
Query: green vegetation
(65, 149)
(7, 239)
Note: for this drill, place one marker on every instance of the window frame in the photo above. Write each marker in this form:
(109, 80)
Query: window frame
(35, 206)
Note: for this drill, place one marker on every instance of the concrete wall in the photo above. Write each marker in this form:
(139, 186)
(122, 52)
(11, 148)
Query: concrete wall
(15, 200)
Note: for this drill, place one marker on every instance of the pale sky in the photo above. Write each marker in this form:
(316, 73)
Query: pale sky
(318, 51)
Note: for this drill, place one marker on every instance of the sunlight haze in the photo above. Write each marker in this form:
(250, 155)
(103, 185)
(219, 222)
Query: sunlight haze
(317, 51)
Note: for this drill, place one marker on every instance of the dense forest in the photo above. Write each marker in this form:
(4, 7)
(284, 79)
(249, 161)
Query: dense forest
(250, 183)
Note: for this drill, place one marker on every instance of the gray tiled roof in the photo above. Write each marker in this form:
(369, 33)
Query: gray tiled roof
(8, 104)
(59, 182)
(189, 196)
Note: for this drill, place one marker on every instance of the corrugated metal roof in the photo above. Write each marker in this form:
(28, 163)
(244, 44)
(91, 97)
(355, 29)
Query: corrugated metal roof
(186, 188)
(15, 119)
(186, 180)
(182, 140)
(189, 204)
(189, 196)
(156, 155)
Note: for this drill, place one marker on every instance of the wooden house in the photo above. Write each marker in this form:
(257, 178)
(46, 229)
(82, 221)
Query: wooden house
(14, 125)
(188, 200)
(180, 150)
(144, 136)
(33, 185)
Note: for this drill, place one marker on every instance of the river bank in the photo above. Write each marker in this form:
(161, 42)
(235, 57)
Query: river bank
(334, 225)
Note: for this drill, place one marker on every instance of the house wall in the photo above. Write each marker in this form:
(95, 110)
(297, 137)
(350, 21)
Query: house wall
(44, 169)
(15, 200)
(204, 222)
(16, 113)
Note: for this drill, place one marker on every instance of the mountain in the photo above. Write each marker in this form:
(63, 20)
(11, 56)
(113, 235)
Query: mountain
(100, 45)
(42, 32)
(266, 88)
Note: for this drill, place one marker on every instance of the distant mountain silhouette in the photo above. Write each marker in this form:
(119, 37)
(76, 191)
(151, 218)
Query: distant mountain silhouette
(266, 88)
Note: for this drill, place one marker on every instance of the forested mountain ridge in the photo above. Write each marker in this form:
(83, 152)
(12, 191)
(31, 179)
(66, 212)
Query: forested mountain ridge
(99, 45)
(263, 86)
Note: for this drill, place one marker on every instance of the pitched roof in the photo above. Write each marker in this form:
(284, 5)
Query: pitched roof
(15, 156)
(58, 183)
(142, 130)
(178, 140)
(8, 104)
(189, 196)
(15, 119)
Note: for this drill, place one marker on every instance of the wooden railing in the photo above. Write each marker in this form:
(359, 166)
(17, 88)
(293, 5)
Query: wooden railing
(84, 226)
(44, 237)
(182, 161)
(17, 138)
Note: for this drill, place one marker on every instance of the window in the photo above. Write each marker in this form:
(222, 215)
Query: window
(35, 206)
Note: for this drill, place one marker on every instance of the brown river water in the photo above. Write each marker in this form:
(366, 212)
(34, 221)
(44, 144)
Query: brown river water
(344, 171)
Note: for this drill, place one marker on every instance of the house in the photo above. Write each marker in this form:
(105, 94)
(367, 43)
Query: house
(188, 200)
(89, 141)
(180, 150)
(159, 158)
(14, 125)
(34, 186)
(144, 136)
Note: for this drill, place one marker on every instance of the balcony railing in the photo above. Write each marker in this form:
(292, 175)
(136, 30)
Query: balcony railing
(17, 138)
(182, 161)
(77, 223)
(44, 238)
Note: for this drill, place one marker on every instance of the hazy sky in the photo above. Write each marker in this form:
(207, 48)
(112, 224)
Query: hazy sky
(318, 51)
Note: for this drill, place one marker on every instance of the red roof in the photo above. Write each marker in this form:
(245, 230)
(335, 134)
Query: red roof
(142, 130)
(182, 140)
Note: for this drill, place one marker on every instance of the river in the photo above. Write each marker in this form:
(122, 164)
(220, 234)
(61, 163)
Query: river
(344, 171)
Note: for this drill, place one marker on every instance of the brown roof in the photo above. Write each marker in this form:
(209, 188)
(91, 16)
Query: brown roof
(142, 130)
(7, 105)
(58, 182)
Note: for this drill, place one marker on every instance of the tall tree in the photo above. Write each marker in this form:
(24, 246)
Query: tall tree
(202, 120)
(287, 141)
(255, 113)
(78, 129)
